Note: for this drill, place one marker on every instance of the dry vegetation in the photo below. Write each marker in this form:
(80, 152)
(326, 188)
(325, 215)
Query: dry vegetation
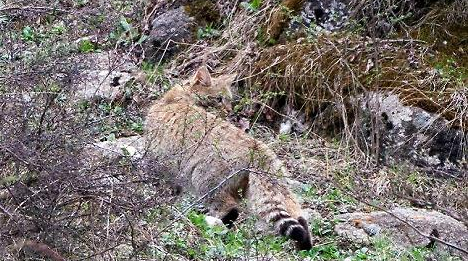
(58, 200)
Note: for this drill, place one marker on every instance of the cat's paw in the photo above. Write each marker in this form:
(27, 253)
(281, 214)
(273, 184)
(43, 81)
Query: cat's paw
(213, 221)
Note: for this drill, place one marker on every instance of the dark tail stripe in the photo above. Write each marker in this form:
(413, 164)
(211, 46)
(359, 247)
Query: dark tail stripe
(281, 214)
(285, 225)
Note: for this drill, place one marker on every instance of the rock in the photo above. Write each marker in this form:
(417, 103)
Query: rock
(134, 147)
(294, 121)
(105, 79)
(213, 221)
(360, 227)
(320, 16)
(166, 29)
(415, 135)
(103, 84)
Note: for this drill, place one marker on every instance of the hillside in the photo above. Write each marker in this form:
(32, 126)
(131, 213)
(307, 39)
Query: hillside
(366, 103)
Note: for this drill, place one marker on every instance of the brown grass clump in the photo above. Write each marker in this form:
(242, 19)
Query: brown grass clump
(281, 17)
(332, 70)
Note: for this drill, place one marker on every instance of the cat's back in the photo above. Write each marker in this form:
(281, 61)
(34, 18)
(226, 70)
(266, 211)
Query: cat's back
(184, 124)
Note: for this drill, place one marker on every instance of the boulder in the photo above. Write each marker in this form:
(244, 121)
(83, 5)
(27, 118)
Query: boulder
(166, 29)
(361, 227)
(105, 77)
(412, 134)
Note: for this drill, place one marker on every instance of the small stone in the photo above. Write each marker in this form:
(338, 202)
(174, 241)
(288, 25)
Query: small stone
(213, 221)
(371, 229)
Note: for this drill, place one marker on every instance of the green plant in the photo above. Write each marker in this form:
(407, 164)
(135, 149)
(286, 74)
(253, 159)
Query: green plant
(86, 46)
(155, 74)
(80, 3)
(252, 5)
(284, 137)
(328, 251)
(28, 34)
(125, 34)
(322, 227)
(207, 32)
(59, 28)
(9, 180)
(136, 126)
(309, 191)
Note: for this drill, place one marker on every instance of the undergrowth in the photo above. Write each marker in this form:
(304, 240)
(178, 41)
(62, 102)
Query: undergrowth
(55, 191)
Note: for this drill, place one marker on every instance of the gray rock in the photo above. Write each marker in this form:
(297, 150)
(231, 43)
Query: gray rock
(318, 16)
(360, 227)
(105, 77)
(414, 135)
(103, 84)
(166, 29)
(133, 147)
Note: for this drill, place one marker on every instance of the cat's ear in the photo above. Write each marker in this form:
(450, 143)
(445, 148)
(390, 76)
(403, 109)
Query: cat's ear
(202, 77)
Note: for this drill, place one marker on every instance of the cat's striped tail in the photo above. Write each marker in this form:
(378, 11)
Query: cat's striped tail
(276, 204)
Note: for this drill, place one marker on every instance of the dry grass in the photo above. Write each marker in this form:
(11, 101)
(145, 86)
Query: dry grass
(53, 194)
(327, 166)
(333, 70)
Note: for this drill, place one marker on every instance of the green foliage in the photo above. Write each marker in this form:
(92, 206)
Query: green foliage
(86, 46)
(337, 195)
(328, 251)
(9, 180)
(118, 120)
(59, 28)
(450, 70)
(125, 34)
(28, 34)
(155, 75)
(207, 32)
(322, 227)
(284, 137)
(252, 5)
(80, 3)
(309, 191)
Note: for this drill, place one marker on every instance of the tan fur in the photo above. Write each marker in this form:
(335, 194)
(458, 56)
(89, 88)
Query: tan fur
(206, 149)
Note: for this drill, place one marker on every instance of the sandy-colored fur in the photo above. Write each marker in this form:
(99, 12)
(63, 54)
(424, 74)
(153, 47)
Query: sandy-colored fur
(206, 149)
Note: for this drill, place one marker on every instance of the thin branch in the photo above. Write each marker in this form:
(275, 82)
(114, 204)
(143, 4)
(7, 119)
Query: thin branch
(353, 194)
(5, 211)
(32, 8)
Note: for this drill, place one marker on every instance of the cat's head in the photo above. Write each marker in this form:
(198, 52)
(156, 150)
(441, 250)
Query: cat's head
(212, 92)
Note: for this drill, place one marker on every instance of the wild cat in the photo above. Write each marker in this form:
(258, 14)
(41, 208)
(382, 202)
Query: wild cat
(222, 163)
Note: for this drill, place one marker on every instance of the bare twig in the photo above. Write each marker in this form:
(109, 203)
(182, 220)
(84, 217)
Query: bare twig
(33, 8)
(353, 194)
